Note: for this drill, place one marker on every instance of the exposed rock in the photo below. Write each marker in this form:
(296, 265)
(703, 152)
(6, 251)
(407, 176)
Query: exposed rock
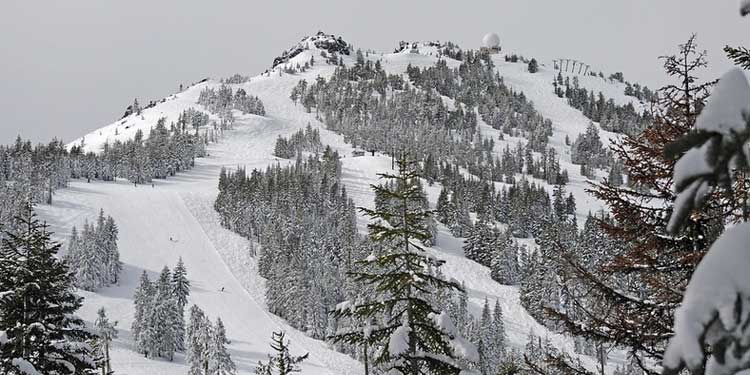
(321, 40)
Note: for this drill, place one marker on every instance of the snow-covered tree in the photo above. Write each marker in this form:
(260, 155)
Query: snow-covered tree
(283, 363)
(112, 259)
(93, 255)
(533, 66)
(415, 335)
(180, 291)
(221, 362)
(106, 331)
(480, 244)
(198, 335)
(142, 302)
(39, 331)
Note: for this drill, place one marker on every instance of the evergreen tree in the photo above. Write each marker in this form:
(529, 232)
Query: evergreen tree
(480, 243)
(40, 331)
(415, 335)
(180, 292)
(533, 66)
(221, 362)
(199, 334)
(89, 272)
(142, 300)
(504, 263)
(93, 256)
(283, 363)
(107, 332)
(112, 263)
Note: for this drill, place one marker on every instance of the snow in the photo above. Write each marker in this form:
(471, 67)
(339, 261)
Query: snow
(398, 343)
(462, 347)
(25, 366)
(727, 104)
(719, 284)
(692, 164)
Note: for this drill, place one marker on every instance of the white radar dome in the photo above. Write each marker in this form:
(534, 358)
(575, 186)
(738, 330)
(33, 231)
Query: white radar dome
(491, 40)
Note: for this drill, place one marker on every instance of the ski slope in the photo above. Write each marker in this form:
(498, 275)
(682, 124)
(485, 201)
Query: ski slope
(173, 219)
(182, 208)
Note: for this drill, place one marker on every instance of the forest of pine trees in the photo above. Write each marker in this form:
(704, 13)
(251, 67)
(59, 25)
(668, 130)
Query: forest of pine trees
(106, 331)
(159, 323)
(612, 117)
(618, 282)
(92, 254)
(305, 224)
(33, 173)
(307, 140)
(223, 100)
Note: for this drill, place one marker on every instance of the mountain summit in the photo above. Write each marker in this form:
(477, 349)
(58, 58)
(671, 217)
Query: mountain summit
(322, 41)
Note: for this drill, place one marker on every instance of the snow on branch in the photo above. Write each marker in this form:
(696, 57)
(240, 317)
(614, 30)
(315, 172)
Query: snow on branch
(710, 154)
(716, 309)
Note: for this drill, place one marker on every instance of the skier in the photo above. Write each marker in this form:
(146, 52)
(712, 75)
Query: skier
(222, 289)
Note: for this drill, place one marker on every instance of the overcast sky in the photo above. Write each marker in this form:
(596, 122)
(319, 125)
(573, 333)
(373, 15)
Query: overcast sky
(69, 67)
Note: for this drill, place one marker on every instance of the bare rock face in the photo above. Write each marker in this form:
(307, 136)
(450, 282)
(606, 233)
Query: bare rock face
(321, 41)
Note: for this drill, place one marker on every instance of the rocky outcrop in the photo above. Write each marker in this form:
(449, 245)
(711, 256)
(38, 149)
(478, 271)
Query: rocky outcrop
(321, 41)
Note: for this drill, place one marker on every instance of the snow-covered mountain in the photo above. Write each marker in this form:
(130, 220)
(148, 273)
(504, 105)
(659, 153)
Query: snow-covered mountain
(175, 218)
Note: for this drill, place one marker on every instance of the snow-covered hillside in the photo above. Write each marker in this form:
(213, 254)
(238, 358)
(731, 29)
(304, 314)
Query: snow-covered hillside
(181, 208)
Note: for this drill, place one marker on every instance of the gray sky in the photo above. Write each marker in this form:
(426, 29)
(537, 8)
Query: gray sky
(68, 67)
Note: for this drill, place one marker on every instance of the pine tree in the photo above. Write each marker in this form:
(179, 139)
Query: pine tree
(71, 255)
(415, 335)
(159, 335)
(88, 270)
(142, 300)
(40, 331)
(199, 333)
(93, 255)
(112, 264)
(498, 324)
(107, 332)
(480, 243)
(533, 66)
(180, 291)
(283, 363)
(221, 362)
(504, 264)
